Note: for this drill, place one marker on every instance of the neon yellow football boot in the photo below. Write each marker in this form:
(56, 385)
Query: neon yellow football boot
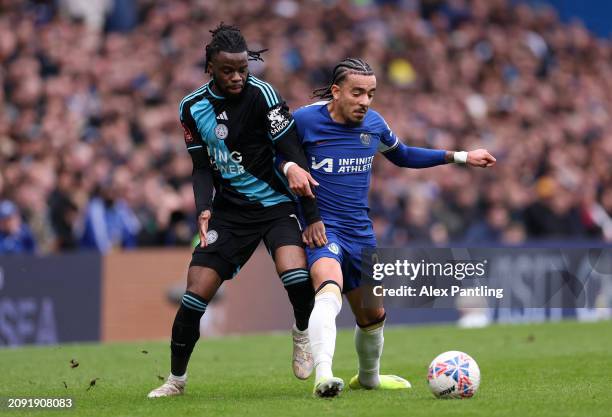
(386, 382)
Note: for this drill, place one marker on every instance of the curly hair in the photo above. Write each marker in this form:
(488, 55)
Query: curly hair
(228, 38)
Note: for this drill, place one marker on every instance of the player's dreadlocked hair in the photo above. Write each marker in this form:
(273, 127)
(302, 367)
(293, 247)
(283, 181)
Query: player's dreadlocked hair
(341, 71)
(228, 38)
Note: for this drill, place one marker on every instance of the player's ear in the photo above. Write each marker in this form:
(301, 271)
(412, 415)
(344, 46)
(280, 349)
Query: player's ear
(335, 90)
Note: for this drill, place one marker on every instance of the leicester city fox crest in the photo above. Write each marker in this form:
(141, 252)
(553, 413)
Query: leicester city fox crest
(211, 237)
(221, 131)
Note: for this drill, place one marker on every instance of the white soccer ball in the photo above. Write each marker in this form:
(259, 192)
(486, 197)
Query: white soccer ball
(453, 374)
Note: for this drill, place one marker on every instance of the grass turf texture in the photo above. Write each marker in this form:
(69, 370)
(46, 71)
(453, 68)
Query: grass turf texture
(559, 369)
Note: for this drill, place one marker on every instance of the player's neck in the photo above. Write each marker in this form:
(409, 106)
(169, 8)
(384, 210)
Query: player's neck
(215, 89)
(334, 113)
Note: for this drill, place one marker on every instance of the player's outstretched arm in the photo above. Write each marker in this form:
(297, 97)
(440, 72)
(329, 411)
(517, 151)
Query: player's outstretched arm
(414, 157)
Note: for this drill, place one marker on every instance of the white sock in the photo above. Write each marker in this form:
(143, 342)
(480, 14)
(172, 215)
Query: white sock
(369, 345)
(322, 332)
(182, 378)
(299, 332)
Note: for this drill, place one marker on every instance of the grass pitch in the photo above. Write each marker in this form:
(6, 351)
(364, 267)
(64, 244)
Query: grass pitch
(559, 369)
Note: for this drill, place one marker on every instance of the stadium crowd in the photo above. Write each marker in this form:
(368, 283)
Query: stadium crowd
(92, 154)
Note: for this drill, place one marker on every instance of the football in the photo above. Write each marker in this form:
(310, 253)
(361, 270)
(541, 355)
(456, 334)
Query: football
(453, 374)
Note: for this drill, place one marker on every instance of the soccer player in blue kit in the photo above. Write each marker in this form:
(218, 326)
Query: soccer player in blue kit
(340, 136)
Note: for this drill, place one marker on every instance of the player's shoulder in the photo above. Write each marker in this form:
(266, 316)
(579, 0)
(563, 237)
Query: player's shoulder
(264, 90)
(309, 111)
(375, 118)
(192, 97)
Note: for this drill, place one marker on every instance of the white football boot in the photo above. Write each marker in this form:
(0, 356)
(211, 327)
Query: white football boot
(302, 356)
(172, 387)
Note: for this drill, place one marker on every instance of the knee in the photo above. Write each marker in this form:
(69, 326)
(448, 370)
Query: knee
(203, 281)
(201, 290)
(329, 293)
(326, 271)
(371, 317)
(329, 286)
(289, 257)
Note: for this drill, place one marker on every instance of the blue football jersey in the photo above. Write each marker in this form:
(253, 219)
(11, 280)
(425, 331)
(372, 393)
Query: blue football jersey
(340, 158)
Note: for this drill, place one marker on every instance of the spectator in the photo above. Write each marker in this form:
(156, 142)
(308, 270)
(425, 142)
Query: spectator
(64, 212)
(79, 105)
(109, 222)
(15, 236)
(491, 229)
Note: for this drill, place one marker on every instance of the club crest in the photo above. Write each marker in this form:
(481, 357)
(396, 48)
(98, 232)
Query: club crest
(221, 131)
(211, 237)
(366, 139)
(334, 248)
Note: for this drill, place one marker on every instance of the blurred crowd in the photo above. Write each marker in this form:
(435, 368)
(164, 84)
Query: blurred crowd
(92, 155)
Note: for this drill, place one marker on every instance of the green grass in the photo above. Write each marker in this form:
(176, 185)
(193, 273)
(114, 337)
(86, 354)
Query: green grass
(560, 369)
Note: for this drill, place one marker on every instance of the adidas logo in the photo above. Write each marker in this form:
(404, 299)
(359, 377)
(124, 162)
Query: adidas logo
(222, 116)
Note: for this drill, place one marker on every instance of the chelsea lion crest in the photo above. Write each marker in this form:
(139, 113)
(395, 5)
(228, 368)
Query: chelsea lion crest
(366, 139)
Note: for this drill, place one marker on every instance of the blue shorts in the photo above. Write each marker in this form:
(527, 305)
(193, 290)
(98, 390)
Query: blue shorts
(347, 251)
